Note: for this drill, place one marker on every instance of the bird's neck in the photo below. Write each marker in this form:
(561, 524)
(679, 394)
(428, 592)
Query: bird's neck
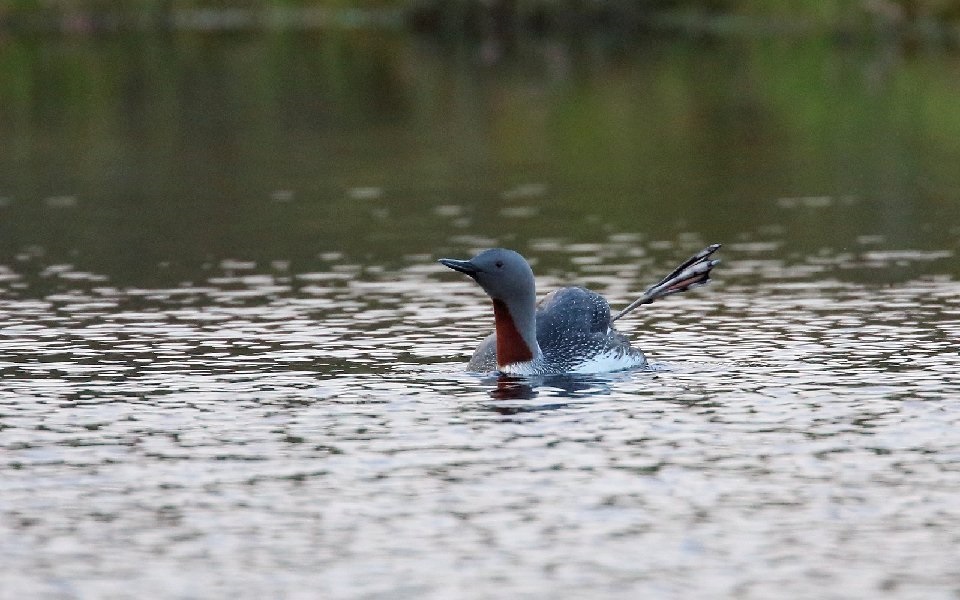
(516, 334)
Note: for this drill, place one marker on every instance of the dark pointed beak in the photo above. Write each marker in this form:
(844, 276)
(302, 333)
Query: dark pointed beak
(464, 266)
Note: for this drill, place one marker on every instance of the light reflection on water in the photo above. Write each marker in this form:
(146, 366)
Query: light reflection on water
(231, 367)
(799, 430)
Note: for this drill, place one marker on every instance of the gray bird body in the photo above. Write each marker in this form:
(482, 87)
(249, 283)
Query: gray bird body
(570, 330)
(573, 328)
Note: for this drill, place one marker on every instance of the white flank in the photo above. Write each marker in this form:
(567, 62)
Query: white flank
(604, 362)
(613, 360)
(522, 368)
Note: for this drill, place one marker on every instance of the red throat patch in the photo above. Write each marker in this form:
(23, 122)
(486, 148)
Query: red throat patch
(511, 348)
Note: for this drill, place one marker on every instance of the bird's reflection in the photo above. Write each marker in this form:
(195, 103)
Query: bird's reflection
(507, 390)
(513, 388)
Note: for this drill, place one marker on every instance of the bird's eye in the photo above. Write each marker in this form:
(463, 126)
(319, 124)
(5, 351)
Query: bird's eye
(499, 264)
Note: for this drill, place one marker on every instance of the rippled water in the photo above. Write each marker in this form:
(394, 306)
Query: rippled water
(230, 366)
(280, 434)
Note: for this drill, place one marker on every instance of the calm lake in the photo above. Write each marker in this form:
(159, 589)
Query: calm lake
(231, 367)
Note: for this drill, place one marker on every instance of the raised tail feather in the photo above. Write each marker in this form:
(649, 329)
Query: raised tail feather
(693, 272)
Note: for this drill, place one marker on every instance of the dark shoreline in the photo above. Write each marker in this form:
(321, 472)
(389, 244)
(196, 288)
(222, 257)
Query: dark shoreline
(475, 20)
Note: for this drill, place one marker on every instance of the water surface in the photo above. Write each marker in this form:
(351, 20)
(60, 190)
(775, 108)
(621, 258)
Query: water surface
(230, 365)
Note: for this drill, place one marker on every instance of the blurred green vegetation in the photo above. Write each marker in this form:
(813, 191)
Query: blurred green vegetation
(145, 157)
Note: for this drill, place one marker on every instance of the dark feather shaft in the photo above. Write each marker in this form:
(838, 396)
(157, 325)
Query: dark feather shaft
(693, 272)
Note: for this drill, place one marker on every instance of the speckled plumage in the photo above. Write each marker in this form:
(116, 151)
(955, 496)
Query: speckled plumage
(573, 328)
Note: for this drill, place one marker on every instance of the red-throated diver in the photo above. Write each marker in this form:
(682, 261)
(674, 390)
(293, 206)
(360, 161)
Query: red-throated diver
(570, 330)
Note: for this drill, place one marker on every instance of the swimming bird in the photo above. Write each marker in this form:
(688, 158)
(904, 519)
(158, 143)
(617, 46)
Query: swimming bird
(570, 330)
